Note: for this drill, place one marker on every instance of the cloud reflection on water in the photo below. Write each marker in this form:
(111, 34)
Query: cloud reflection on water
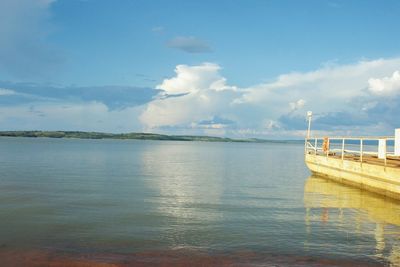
(178, 176)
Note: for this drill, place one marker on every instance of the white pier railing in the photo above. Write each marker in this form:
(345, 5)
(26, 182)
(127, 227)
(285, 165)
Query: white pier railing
(358, 147)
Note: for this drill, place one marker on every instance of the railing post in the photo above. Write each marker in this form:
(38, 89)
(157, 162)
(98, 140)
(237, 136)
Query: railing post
(397, 142)
(343, 149)
(315, 145)
(385, 153)
(382, 148)
(361, 150)
(328, 145)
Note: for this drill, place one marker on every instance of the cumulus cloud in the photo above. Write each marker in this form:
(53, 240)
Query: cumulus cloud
(386, 86)
(23, 31)
(189, 44)
(328, 90)
(192, 79)
(338, 95)
(297, 105)
(188, 109)
(199, 100)
(203, 92)
(339, 83)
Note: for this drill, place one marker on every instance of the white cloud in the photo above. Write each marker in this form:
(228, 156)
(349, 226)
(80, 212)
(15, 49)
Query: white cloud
(199, 100)
(325, 89)
(185, 110)
(276, 108)
(5, 92)
(386, 86)
(206, 95)
(192, 79)
(272, 125)
(297, 105)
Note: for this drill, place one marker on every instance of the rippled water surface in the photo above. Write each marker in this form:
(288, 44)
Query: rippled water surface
(145, 203)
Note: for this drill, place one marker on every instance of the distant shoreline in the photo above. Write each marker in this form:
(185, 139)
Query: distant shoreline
(135, 136)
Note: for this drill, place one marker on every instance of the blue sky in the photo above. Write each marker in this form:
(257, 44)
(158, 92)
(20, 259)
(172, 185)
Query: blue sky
(229, 68)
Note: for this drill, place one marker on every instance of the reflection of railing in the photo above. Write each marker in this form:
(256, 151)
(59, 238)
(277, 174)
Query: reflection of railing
(357, 148)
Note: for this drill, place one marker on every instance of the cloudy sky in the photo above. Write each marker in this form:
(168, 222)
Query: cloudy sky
(237, 68)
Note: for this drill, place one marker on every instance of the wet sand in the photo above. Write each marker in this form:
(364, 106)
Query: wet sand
(178, 258)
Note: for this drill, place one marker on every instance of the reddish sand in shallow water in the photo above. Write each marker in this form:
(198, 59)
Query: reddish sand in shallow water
(178, 258)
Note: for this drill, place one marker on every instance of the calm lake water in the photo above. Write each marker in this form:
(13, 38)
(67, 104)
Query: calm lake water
(145, 203)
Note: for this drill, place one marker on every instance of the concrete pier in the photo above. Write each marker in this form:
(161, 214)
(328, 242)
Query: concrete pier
(367, 174)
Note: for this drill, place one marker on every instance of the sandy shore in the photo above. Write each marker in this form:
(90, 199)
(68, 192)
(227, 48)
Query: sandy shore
(177, 258)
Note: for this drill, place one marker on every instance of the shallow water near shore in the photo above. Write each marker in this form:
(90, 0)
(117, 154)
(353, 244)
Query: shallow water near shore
(144, 203)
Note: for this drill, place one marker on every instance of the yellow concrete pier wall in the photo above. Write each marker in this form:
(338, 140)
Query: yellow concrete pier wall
(375, 178)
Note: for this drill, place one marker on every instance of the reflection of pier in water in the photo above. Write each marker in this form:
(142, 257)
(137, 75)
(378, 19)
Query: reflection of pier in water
(329, 202)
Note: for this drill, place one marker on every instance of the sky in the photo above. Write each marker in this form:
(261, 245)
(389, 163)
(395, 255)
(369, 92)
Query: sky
(235, 68)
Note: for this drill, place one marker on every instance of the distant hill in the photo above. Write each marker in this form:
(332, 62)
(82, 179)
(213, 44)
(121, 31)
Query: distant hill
(137, 136)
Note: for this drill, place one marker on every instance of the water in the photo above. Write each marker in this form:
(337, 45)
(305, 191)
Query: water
(150, 203)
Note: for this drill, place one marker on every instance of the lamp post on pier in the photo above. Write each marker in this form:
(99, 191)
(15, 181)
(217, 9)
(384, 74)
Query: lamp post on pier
(309, 117)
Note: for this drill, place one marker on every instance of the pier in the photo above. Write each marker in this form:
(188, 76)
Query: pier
(367, 162)
(371, 163)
